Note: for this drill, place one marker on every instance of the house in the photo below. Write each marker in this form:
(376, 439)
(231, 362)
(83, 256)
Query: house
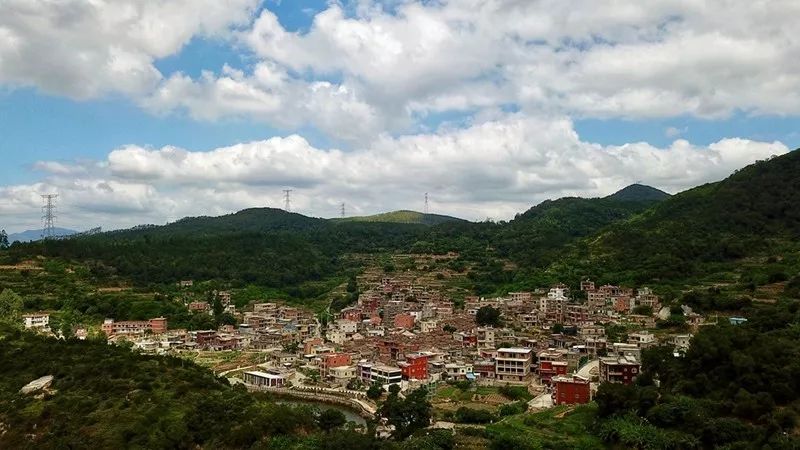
(415, 367)
(342, 375)
(642, 339)
(619, 369)
(513, 364)
(485, 337)
(333, 360)
(574, 390)
(379, 373)
(458, 371)
(404, 320)
(36, 321)
(550, 369)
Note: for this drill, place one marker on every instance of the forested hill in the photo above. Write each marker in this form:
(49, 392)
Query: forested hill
(403, 216)
(754, 212)
(537, 236)
(272, 247)
(639, 193)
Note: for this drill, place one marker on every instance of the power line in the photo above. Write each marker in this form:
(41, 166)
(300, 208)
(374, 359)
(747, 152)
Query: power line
(287, 197)
(49, 216)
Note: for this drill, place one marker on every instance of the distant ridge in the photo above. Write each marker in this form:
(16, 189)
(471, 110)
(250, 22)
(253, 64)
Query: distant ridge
(639, 193)
(404, 216)
(35, 235)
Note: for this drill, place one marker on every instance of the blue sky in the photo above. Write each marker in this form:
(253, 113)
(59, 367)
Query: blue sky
(404, 89)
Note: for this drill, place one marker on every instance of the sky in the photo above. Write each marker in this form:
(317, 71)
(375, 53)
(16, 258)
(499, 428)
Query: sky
(147, 111)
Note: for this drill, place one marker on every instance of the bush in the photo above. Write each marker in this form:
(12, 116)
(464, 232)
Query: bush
(469, 415)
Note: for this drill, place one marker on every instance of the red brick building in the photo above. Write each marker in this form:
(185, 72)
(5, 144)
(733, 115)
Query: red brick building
(415, 367)
(550, 369)
(332, 360)
(404, 321)
(571, 390)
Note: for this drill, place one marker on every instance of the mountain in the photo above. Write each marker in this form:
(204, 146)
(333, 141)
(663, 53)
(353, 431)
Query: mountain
(754, 212)
(538, 236)
(639, 193)
(35, 235)
(404, 216)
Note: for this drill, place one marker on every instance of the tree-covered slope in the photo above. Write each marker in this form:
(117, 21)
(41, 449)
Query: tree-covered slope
(754, 212)
(403, 216)
(639, 193)
(539, 235)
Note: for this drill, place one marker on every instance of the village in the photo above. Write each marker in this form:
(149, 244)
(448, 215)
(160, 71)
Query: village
(554, 344)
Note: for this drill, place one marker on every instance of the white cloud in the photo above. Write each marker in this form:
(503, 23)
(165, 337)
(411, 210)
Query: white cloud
(83, 49)
(493, 169)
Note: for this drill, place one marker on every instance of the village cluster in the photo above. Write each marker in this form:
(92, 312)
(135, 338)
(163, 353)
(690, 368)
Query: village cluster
(410, 335)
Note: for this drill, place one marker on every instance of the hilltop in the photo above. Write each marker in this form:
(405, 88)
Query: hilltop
(639, 193)
(403, 216)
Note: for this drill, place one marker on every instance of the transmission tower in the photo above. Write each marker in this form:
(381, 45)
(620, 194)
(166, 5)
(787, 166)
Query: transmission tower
(342, 210)
(426, 203)
(287, 198)
(48, 215)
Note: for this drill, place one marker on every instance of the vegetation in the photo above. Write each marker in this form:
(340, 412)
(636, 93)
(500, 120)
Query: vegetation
(487, 315)
(404, 217)
(735, 387)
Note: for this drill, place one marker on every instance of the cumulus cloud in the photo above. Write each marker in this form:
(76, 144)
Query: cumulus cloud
(493, 169)
(372, 67)
(85, 49)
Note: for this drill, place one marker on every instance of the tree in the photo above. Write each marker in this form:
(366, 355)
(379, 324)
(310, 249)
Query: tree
(330, 419)
(488, 316)
(375, 391)
(407, 415)
(449, 328)
(3, 239)
(10, 305)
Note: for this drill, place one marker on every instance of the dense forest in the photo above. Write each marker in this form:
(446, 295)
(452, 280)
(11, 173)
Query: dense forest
(110, 397)
(736, 387)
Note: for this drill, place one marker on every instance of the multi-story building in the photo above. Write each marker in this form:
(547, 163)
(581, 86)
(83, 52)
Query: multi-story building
(36, 321)
(415, 367)
(379, 373)
(642, 339)
(156, 326)
(485, 337)
(332, 360)
(619, 369)
(513, 364)
(571, 390)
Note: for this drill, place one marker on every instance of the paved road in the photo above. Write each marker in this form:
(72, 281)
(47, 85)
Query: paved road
(542, 401)
(590, 370)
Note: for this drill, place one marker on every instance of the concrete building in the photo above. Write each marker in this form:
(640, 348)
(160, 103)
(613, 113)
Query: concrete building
(379, 373)
(513, 364)
(619, 369)
(36, 321)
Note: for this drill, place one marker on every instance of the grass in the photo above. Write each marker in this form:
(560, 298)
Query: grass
(557, 428)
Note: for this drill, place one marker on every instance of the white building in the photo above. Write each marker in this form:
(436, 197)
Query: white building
(38, 321)
(513, 364)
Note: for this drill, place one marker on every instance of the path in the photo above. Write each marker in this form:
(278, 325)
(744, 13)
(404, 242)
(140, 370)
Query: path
(590, 369)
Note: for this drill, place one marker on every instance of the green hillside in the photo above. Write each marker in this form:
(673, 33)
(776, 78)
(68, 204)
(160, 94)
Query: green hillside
(538, 235)
(639, 193)
(403, 216)
(753, 213)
